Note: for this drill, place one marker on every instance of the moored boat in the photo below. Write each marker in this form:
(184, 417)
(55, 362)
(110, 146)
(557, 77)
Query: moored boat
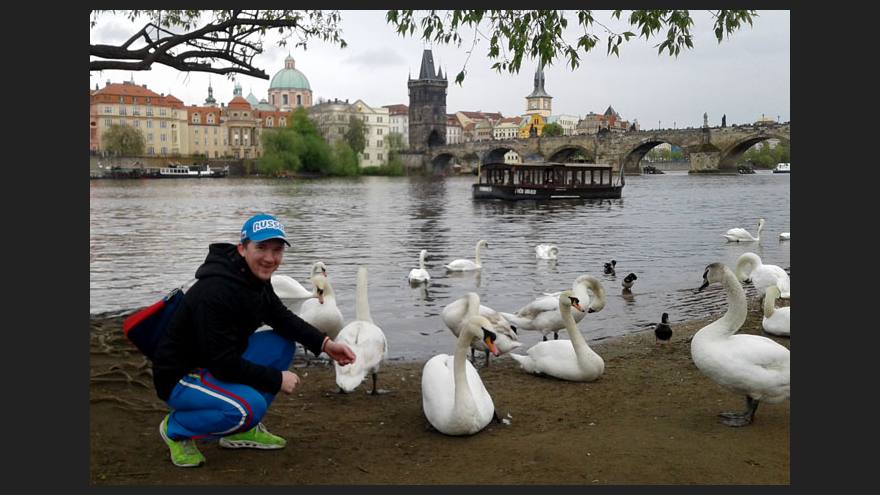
(782, 168)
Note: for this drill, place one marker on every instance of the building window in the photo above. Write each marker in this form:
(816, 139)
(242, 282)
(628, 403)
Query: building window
(108, 122)
(366, 156)
(121, 99)
(108, 110)
(149, 124)
(149, 136)
(379, 156)
(379, 132)
(196, 119)
(272, 97)
(378, 119)
(162, 111)
(137, 123)
(244, 114)
(149, 112)
(122, 110)
(379, 144)
(299, 100)
(151, 151)
(164, 150)
(284, 100)
(197, 132)
(162, 124)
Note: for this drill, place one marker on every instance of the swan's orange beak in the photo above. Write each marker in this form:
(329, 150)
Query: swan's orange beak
(491, 346)
(577, 306)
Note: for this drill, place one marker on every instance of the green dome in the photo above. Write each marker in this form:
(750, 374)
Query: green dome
(289, 79)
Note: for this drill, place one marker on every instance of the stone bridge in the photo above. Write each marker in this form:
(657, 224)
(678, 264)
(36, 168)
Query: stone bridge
(708, 149)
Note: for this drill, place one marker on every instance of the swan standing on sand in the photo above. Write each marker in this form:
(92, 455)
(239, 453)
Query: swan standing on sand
(419, 275)
(456, 314)
(546, 251)
(752, 365)
(288, 288)
(461, 265)
(571, 360)
(750, 269)
(543, 315)
(321, 311)
(776, 321)
(366, 340)
(739, 234)
(454, 399)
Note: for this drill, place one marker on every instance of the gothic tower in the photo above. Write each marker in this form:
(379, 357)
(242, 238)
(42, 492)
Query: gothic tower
(427, 106)
(539, 101)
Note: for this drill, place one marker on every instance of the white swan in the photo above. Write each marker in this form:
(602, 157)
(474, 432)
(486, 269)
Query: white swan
(454, 399)
(542, 314)
(456, 313)
(776, 321)
(287, 287)
(321, 311)
(418, 275)
(739, 234)
(752, 365)
(750, 268)
(461, 265)
(785, 236)
(546, 251)
(571, 360)
(366, 340)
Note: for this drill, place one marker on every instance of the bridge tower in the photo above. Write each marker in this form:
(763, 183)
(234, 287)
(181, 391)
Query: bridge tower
(427, 106)
(539, 102)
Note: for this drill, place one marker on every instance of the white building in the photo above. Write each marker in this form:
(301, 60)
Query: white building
(377, 122)
(399, 121)
(567, 122)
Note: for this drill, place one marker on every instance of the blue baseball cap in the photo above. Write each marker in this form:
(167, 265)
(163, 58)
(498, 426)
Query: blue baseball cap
(263, 227)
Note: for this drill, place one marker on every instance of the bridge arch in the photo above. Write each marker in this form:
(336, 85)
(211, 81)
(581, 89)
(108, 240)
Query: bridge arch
(443, 163)
(570, 153)
(632, 158)
(730, 156)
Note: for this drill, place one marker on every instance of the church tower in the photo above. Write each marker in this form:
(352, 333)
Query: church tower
(539, 101)
(427, 106)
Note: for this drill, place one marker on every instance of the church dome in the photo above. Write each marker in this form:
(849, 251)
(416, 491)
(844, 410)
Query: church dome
(289, 77)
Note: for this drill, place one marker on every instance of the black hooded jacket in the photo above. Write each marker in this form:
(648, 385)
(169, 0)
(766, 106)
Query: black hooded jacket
(219, 313)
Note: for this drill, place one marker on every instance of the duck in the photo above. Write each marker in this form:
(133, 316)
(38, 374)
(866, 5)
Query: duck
(629, 280)
(542, 314)
(754, 366)
(454, 399)
(456, 313)
(739, 234)
(365, 339)
(419, 275)
(749, 268)
(785, 236)
(571, 360)
(463, 265)
(663, 331)
(287, 287)
(546, 251)
(776, 321)
(609, 267)
(321, 310)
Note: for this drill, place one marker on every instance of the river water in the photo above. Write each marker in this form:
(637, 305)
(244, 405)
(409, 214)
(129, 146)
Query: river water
(147, 236)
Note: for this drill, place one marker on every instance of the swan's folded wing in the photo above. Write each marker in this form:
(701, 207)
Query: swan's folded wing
(759, 351)
(437, 387)
(538, 306)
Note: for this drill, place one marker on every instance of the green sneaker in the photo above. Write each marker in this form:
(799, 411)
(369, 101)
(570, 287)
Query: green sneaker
(184, 453)
(257, 437)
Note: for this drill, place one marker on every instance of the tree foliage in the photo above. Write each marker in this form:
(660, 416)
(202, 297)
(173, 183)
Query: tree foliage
(762, 156)
(345, 160)
(297, 147)
(552, 129)
(540, 34)
(124, 140)
(218, 41)
(356, 135)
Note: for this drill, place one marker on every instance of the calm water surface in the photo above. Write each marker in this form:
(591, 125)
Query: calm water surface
(148, 236)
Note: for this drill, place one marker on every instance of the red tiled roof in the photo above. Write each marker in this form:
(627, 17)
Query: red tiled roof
(240, 103)
(397, 109)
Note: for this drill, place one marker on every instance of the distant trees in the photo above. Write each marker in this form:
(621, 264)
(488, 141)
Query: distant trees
(297, 147)
(762, 156)
(552, 129)
(356, 135)
(124, 140)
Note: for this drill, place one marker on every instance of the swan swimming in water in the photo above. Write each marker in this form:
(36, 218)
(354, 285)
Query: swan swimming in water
(751, 365)
(750, 269)
(461, 265)
(785, 236)
(739, 234)
(289, 288)
(546, 251)
(454, 399)
(543, 315)
(776, 321)
(419, 275)
(321, 310)
(456, 314)
(366, 340)
(572, 359)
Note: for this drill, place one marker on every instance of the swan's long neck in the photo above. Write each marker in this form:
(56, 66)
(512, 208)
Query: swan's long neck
(736, 304)
(422, 260)
(473, 306)
(769, 303)
(362, 311)
(746, 264)
(463, 398)
(760, 228)
(477, 253)
(577, 340)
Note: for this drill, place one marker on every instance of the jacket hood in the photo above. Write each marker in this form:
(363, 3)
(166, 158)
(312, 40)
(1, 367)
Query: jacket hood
(223, 260)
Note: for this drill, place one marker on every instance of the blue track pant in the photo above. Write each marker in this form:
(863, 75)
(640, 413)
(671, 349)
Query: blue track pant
(205, 407)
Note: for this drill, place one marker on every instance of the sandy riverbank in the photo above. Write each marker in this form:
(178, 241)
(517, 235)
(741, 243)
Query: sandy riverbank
(651, 419)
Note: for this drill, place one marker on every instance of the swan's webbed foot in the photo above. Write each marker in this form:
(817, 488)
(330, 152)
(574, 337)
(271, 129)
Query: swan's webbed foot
(731, 415)
(736, 422)
(378, 391)
(496, 417)
(744, 418)
(555, 335)
(544, 339)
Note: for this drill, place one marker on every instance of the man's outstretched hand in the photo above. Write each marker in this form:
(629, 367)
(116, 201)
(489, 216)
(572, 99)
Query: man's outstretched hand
(339, 352)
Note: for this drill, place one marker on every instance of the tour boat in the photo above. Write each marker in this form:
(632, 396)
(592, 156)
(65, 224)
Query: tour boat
(515, 181)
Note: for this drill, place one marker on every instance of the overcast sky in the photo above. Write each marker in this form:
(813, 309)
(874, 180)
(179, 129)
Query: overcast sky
(745, 76)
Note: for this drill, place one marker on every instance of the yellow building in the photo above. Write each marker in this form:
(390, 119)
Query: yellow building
(528, 122)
